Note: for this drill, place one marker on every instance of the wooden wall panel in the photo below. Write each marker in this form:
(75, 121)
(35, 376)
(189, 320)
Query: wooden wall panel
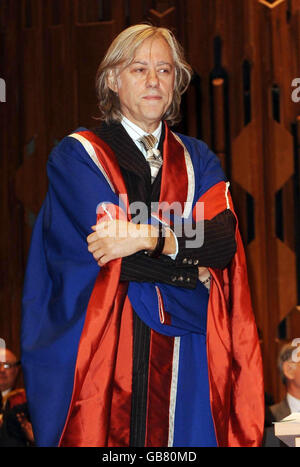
(59, 71)
(278, 155)
(12, 266)
(87, 61)
(245, 54)
(136, 11)
(33, 125)
(240, 92)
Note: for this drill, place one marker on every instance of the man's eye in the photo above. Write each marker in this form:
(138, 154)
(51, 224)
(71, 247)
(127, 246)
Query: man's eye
(139, 70)
(164, 70)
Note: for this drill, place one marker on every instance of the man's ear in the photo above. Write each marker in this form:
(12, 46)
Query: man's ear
(288, 369)
(112, 81)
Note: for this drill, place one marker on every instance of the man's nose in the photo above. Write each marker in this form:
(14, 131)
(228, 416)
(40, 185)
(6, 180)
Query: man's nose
(152, 78)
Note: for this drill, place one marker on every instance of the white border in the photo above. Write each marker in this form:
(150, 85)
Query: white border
(91, 152)
(191, 180)
(226, 194)
(173, 390)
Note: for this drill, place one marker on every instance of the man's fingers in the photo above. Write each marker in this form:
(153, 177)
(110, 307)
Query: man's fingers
(101, 232)
(103, 260)
(101, 226)
(98, 255)
(93, 247)
(92, 237)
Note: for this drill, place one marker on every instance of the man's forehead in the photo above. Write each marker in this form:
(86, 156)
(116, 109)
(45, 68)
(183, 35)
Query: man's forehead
(7, 355)
(156, 46)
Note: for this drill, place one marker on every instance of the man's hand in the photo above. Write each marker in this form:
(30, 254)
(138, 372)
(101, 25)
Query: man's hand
(117, 238)
(26, 427)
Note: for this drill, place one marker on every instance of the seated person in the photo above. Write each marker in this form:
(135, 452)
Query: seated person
(290, 374)
(15, 426)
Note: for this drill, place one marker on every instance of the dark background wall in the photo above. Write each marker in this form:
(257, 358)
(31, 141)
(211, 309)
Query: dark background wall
(245, 55)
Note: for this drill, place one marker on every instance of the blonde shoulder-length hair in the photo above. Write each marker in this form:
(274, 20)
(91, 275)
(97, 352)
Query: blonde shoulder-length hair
(121, 54)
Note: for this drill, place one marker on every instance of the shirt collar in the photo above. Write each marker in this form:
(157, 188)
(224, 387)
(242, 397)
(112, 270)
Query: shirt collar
(293, 403)
(135, 132)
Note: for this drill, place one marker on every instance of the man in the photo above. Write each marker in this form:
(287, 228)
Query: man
(289, 369)
(15, 428)
(118, 356)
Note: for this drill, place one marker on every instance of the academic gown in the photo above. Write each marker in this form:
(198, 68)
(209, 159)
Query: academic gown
(205, 384)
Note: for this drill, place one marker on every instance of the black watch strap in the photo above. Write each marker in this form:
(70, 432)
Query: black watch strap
(160, 242)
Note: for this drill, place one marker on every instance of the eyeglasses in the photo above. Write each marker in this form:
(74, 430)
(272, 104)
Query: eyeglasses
(8, 366)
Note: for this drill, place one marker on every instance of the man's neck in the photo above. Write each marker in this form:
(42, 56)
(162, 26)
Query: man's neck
(294, 391)
(138, 131)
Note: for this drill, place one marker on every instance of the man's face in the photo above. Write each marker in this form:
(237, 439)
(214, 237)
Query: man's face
(145, 87)
(296, 380)
(7, 375)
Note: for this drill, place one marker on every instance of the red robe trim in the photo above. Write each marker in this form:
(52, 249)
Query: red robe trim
(233, 351)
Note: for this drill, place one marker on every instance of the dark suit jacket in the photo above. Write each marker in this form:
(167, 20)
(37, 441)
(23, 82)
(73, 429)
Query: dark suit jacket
(276, 413)
(280, 410)
(11, 433)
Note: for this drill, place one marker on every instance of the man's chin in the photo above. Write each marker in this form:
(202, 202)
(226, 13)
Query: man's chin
(153, 116)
